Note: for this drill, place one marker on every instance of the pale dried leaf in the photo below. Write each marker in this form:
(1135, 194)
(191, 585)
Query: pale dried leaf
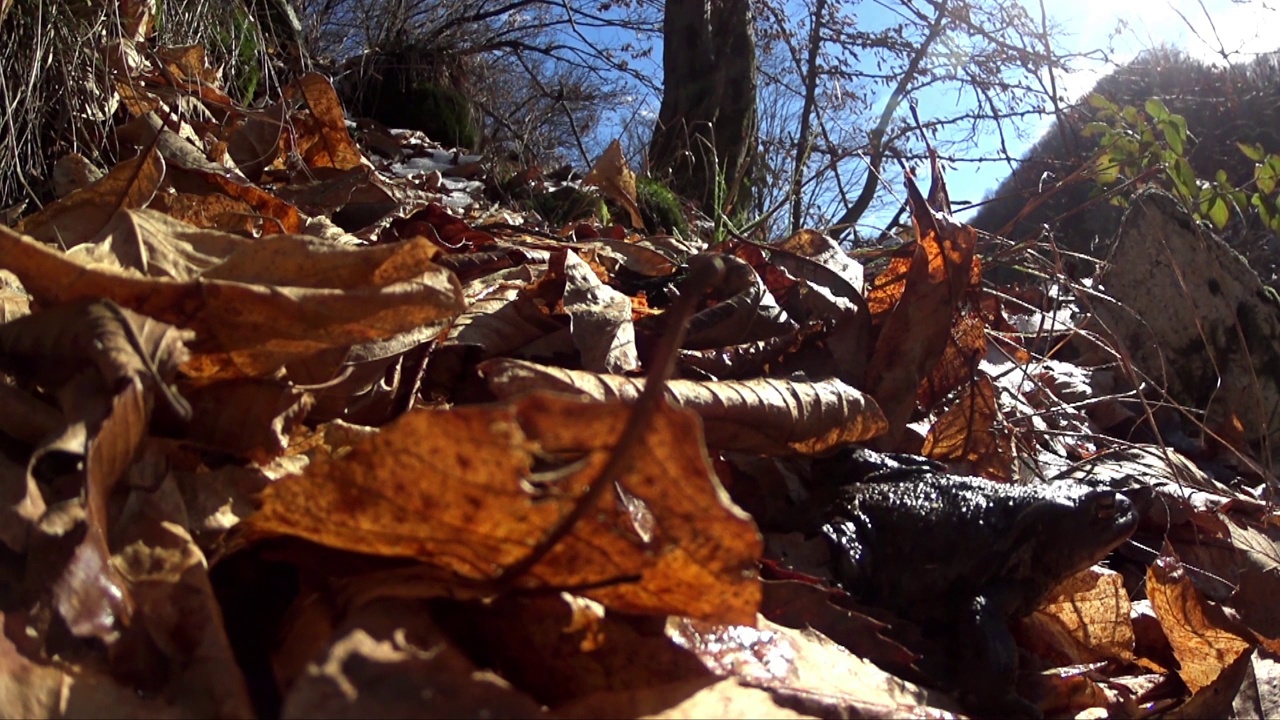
(258, 328)
(158, 246)
(500, 318)
(765, 415)
(687, 700)
(177, 621)
(599, 320)
(31, 689)
(1257, 562)
(390, 660)
(805, 667)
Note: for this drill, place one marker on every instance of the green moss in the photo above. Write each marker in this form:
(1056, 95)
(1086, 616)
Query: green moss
(444, 114)
(567, 204)
(659, 207)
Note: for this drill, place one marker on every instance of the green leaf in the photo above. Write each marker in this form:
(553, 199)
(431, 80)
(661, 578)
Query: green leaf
(1126, 147)
(1095, 128)
(1181, 188)
(1218, 213)
(1254, 152)
(1265, 175)
(1263, 208)
(1130, 114)
(1182, 170)
(1273, 164)
(1220, 177)
(1156, 109)
(1169, 129)
(1101, 102)
(1108, 169)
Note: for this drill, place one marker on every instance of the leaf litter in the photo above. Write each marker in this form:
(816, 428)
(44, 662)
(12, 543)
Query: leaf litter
(301, 424)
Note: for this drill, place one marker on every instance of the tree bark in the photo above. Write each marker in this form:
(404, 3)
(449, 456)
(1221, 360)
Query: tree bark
(706, 134)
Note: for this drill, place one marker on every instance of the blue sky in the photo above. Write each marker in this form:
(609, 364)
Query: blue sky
(1241, 27)
(1123, 28)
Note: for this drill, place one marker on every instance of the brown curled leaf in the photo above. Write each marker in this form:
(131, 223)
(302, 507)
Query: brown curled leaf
(280, 314)
(764, 415)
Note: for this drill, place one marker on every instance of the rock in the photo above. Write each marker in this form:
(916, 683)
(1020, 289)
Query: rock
(1192, 315)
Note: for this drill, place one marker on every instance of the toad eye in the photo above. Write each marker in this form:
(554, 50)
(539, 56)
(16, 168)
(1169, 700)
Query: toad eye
(1105, 505)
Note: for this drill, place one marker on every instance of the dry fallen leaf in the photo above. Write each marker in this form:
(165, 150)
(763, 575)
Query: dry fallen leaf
(389, 659)
(970, 431)
(764, 415)
(1204, 640)
(915, 302)
(537, 646)
(457, 489)
(48, 689)
(805, 669)
(321, 136)
(611, 174)
(730, 698)
(253, 329)
(1085, 619)
(81, 215)
(599, 320)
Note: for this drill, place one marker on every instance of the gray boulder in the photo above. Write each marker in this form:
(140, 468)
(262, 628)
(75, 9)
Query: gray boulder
(1193, 317)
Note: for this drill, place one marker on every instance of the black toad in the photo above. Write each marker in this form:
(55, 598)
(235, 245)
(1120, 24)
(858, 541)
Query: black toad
(962, 556)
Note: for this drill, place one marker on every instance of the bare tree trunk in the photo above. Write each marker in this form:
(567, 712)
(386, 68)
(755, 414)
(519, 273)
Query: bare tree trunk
(706, 131)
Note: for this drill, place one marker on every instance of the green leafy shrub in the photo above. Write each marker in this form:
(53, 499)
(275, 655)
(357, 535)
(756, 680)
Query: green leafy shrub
(1153, 142)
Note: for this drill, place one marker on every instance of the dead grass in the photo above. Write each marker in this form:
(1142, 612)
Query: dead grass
(57, 86)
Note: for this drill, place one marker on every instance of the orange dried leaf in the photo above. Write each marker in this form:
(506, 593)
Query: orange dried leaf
(80, 216)
(281, 217)
(916, 331)
(611, 174)
(289, 313)
(1086, 619)
(968, 431)
(322, 137)
(1204, 640)
(457, 489)
(885, 290)
(960, 358)
(215, 212)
